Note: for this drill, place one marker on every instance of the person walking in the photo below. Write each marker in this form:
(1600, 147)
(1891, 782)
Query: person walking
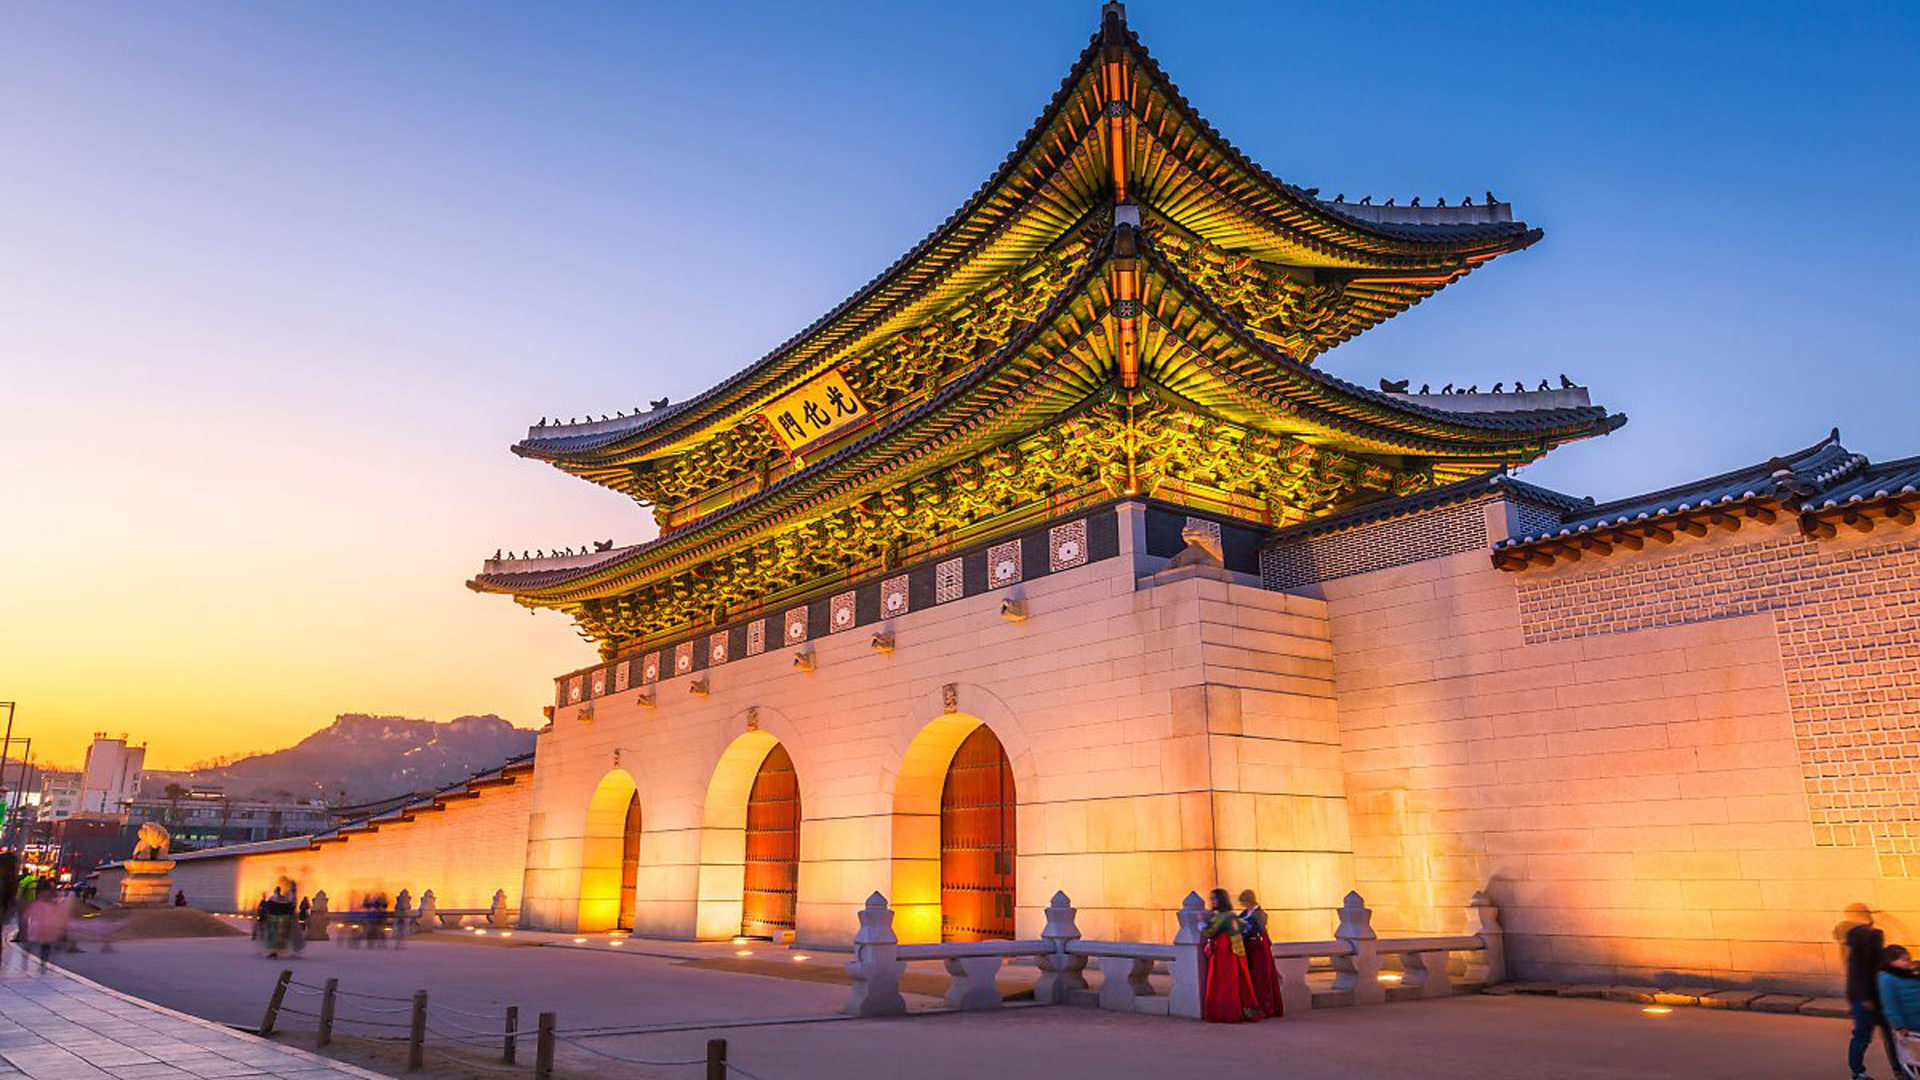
(276, 917)
(1899, 986)
(1230, 998)
(1864, 944)
(1253, 928)
(46, 919)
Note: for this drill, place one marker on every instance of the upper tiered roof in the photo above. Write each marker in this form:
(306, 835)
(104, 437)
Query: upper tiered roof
(1124, 267)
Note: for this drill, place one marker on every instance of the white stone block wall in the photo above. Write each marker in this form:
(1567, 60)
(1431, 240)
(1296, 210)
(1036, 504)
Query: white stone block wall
(1632, 800)
(1163, 739)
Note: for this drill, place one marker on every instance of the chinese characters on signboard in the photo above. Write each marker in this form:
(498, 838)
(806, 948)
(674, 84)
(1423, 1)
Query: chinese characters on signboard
(818, 410)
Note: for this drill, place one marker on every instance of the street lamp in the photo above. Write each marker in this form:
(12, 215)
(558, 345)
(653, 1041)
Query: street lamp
(3, 760)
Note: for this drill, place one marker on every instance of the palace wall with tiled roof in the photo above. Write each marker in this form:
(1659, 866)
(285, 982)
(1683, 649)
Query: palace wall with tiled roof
(1673, 764)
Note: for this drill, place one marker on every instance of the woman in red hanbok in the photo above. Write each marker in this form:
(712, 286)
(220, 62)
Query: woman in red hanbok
(1253, 928)
(1230, 998)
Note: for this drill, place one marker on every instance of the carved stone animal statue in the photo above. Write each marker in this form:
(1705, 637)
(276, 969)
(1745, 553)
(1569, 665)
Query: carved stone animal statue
(1203, 548)
(154, 841)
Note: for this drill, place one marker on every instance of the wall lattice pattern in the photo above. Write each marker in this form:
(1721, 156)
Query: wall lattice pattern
(1848, 620)
(1447, 531)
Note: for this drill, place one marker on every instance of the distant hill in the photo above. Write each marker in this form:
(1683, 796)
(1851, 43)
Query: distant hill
(360, 759)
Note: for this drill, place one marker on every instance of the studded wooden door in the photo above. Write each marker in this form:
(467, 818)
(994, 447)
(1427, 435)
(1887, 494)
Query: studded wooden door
(629, 861)
(977, 842)
(773, 847)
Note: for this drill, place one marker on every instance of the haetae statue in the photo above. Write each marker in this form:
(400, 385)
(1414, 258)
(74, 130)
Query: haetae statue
(1203, 548)
(154, 841)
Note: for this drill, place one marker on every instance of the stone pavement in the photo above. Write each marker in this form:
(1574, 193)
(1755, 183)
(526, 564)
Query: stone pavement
(1466, 1038)
(58, 1026)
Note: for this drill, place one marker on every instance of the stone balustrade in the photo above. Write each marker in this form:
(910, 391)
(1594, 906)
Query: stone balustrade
(1126, 968)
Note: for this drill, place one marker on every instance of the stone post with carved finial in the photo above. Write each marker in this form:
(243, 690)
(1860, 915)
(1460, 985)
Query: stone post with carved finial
(876, 966)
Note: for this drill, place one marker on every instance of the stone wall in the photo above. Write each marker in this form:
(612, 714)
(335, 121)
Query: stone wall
(463, 851)
(1166, 734)
(1681, 763)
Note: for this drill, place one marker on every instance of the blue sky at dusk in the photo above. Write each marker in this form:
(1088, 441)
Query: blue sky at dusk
(283, 280)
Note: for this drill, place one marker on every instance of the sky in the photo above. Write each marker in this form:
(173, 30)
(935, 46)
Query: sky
(280, 282)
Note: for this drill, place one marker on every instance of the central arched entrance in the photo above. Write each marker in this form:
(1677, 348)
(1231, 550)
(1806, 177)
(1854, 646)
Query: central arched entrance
(977, 841)
(773, 848)
(630, 862)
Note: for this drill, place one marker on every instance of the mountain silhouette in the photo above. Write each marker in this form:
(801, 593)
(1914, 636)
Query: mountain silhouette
(363, 759)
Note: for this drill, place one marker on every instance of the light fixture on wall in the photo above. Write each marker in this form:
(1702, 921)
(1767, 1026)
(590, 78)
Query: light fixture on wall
(645, 700)
(1013, 609)
(803, 660)
(699, 687)
(883, 641)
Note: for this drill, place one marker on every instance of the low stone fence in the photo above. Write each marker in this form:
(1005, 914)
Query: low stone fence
(1355, 955)
(425, 919)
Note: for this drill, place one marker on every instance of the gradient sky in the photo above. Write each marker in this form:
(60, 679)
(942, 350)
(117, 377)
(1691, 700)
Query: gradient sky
(279, 282)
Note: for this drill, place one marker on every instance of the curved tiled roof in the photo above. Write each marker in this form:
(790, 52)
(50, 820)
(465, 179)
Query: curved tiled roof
(1299, 211)
(1788, 478)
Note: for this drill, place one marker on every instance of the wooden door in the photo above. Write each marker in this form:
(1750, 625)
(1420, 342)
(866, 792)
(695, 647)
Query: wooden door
(773, 847)
(629, 861)
(977, 842)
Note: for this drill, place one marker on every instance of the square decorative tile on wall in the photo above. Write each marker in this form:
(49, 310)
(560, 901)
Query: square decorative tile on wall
(948, 584)
(893, 597)
(841, 613)
(756, 637)
(716, 650)
(683, 658)
(796, 626)
(622, 676)
(600, 682)
(575, 688)
(650, 668)
(1067, 545)
(1003, 564)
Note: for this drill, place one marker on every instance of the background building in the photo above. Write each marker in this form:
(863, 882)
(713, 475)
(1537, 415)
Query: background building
(111, 775)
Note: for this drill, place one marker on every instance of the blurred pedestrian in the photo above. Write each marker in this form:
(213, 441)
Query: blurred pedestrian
(276, 916)
(46, 919)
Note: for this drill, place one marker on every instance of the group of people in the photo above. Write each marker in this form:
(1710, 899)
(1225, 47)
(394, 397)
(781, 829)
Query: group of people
(278, 925)
(1241, 984)
(1883, 993)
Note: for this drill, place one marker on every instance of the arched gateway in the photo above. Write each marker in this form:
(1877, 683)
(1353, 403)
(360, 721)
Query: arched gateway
(610, 853)
(977, 842)
(773, 848)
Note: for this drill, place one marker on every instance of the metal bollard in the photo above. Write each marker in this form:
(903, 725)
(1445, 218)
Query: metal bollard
(513, 1034)
(326, 1012)
(417, 1036)
(716, 1059)
(273, 1003)
(543, 1049)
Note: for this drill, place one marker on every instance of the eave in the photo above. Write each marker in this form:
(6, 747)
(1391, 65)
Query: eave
(1060, 362)
(1181, 167)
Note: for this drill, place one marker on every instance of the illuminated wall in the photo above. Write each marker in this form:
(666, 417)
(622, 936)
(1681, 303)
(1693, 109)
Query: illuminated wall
(1164, 736)
(1679, 764)
(463, 852)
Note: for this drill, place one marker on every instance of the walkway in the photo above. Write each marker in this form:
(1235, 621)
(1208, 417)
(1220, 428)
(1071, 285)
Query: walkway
(57, 1026)
(1467, 1038)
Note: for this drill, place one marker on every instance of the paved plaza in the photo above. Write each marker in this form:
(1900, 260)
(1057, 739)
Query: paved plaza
(54, 1026)
(785, 1028)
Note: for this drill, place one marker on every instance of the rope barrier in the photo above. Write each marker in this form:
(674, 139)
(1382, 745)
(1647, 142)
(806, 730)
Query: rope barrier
(438, 1007)
(469, 1063)
(498, 1033)
(487, 1038)
(746, 1072)
(633, 1060)
(373, 997)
